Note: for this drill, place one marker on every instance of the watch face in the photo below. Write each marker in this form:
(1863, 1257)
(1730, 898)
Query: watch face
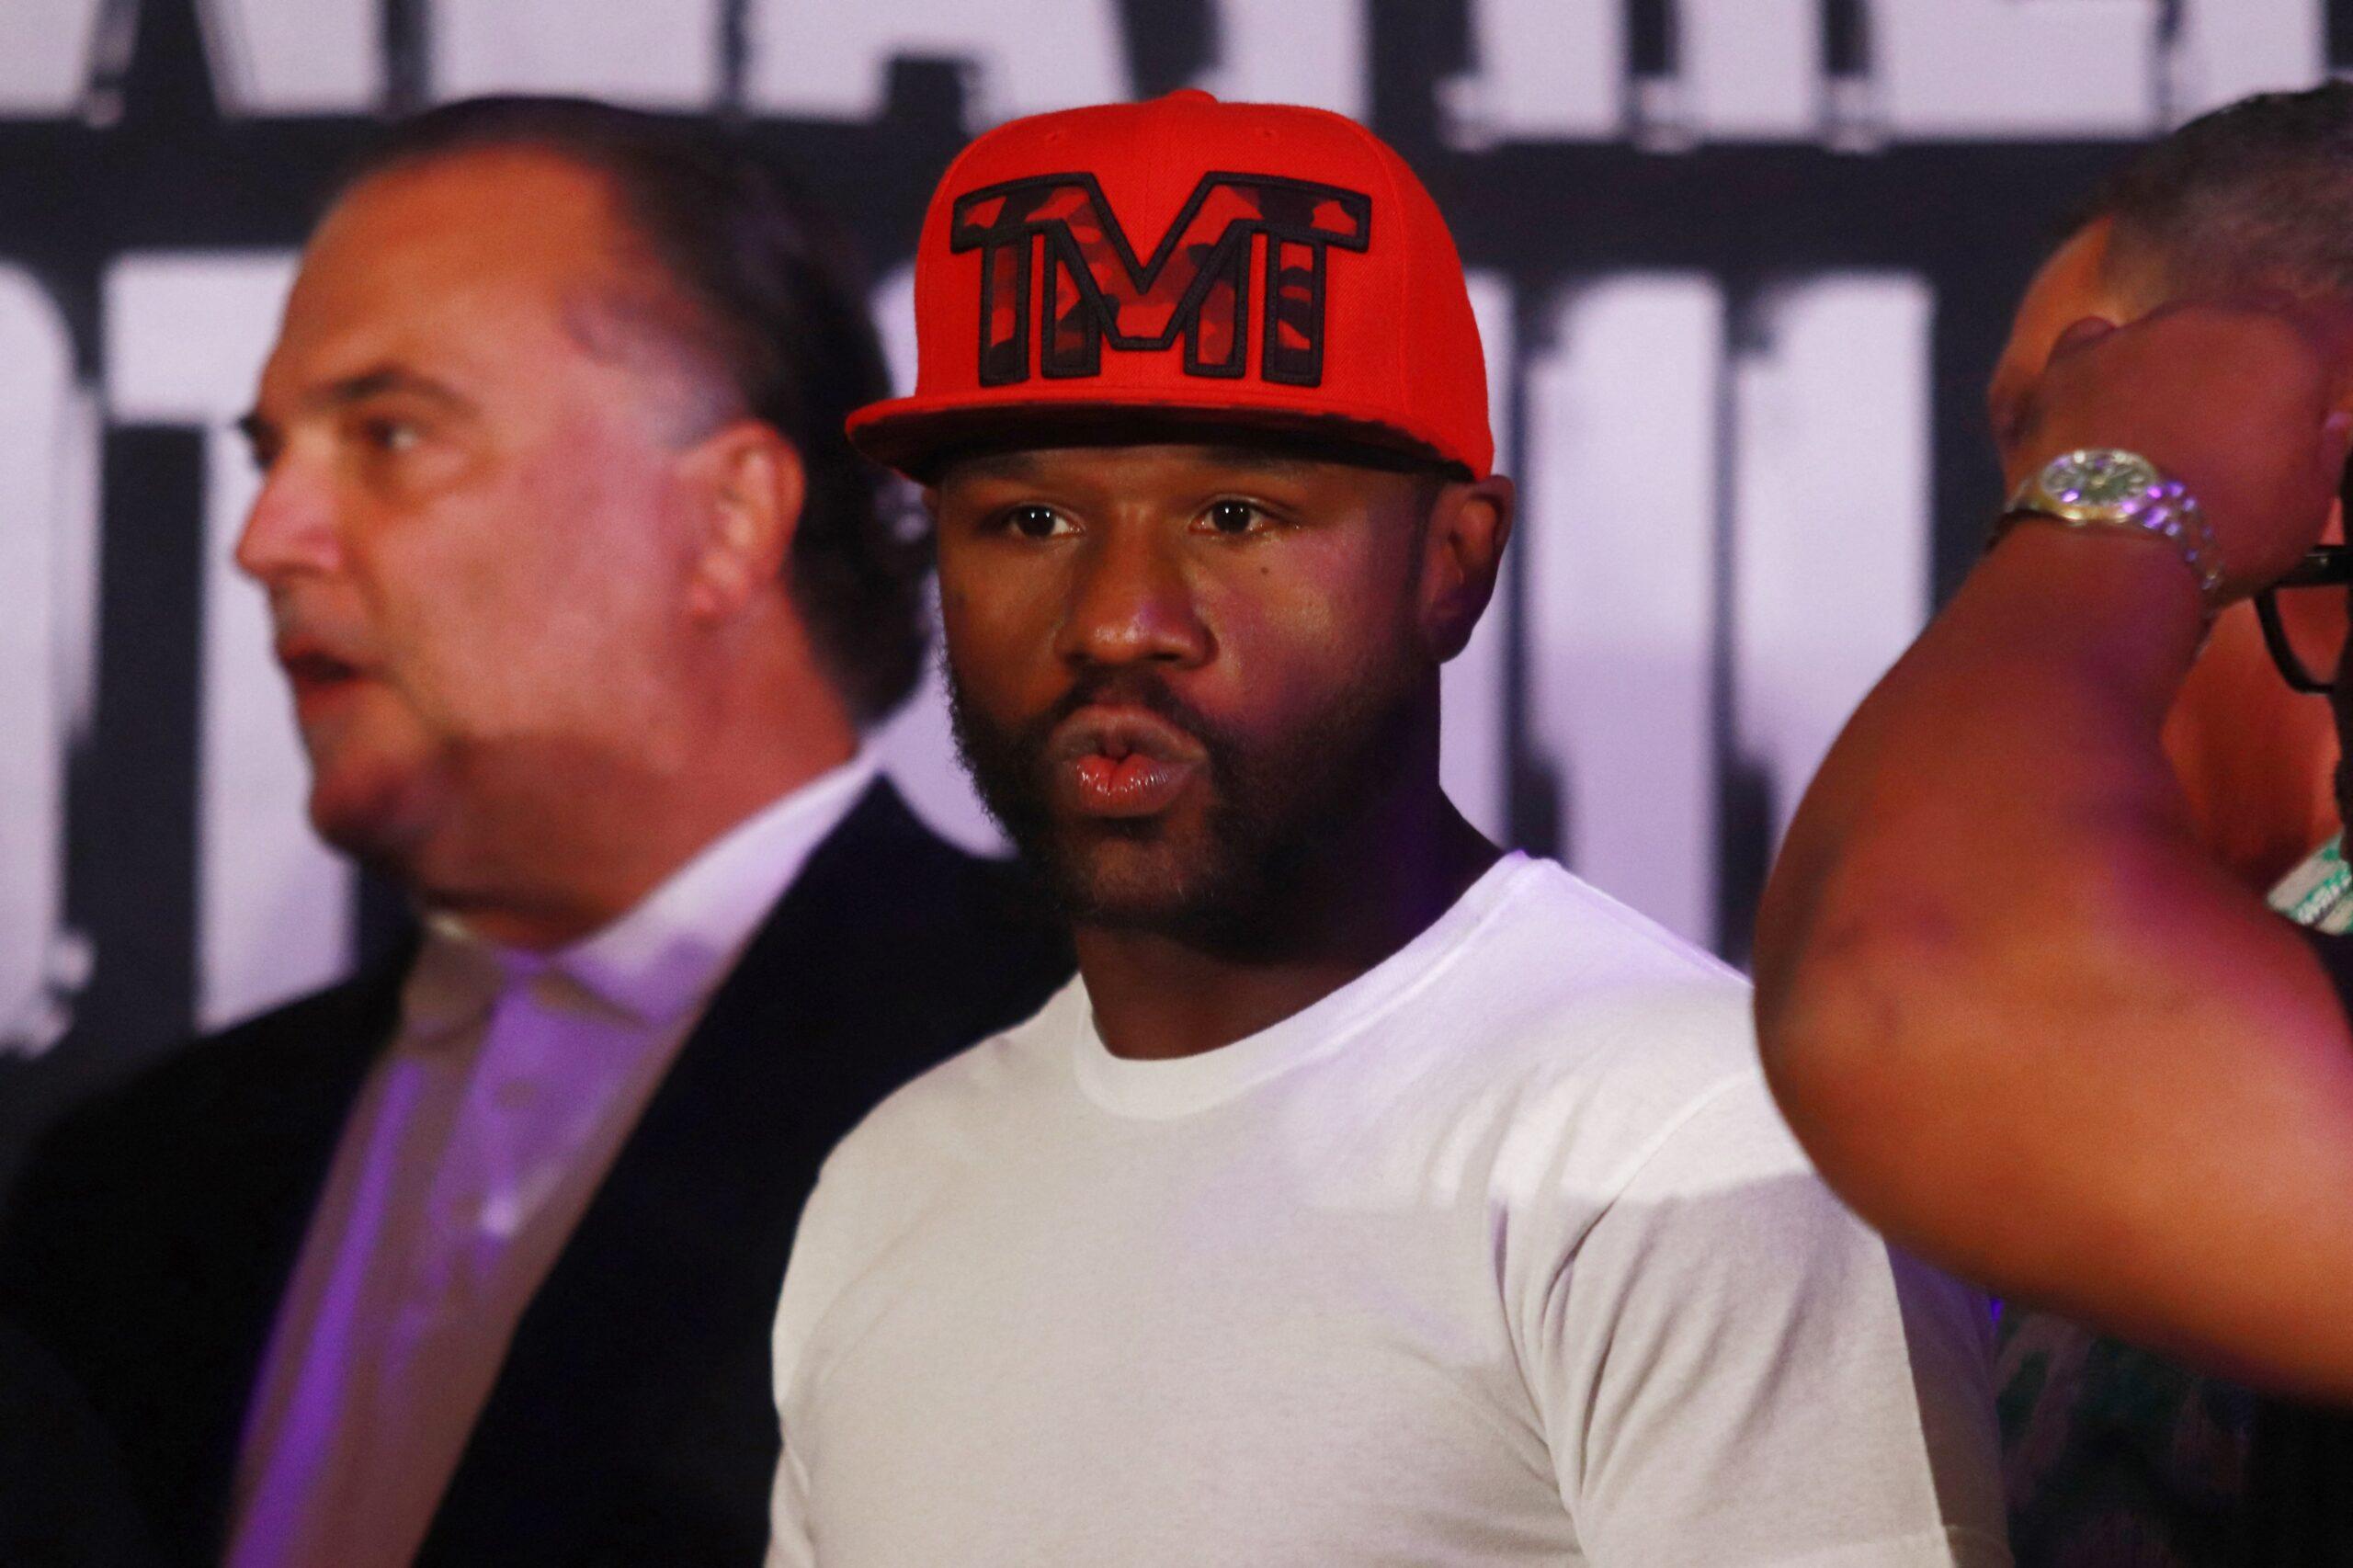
(2099, 483)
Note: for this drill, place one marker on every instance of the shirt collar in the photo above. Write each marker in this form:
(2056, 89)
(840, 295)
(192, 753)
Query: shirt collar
(666, 955)
(455, 980)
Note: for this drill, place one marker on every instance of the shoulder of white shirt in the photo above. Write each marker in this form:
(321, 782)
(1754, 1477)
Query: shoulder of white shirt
(1568, 982)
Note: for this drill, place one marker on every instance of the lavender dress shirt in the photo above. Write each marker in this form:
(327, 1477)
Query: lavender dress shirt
(474, 1148)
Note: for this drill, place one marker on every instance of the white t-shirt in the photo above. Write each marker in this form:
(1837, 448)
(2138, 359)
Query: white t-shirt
(1497, 1254)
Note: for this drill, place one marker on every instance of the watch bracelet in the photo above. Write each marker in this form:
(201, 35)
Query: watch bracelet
(2173, 515)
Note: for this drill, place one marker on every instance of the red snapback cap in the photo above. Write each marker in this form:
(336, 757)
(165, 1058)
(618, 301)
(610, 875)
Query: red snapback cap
(1252, 264)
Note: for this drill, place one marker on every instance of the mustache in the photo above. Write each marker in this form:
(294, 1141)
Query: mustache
(1128, 688)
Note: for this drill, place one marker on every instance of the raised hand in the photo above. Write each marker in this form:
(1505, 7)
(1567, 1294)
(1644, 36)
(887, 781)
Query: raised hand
(2240, 401)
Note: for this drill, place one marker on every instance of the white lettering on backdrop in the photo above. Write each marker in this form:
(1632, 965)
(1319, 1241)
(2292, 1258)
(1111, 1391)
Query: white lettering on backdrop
(1021, 56)
(1474, 741)
(1555, 70)
(1301, 52)
(1624, 406)
(1542, 70)
(184, 340)
(1752, 69)
(655, 56)
(287, 57)
(48, 460)
(1657, 444)
(48, 56)
(1829, 512)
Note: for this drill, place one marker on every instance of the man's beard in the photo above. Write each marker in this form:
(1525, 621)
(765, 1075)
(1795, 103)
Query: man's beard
(1273, 812)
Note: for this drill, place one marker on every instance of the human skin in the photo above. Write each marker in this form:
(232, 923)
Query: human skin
(524, 554)
(1258, 590)
(2257, 759)
(2016, 1010)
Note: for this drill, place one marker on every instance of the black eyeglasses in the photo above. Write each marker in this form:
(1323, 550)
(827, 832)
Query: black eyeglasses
(2298, 651)
(2301, 643)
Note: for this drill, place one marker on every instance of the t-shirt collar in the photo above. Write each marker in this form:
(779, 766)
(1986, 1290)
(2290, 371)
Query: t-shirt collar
(1162, 1090)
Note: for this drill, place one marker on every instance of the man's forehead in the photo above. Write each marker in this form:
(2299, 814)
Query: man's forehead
(1029, 462)
(507, 193)
(443, 259)
(1274, 456)
(518, 219)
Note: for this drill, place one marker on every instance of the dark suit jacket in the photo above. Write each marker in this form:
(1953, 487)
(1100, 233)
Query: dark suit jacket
(155, 1231)
(63, 1498)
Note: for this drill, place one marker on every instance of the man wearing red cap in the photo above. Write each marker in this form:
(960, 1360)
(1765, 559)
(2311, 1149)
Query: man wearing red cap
(1373, 1196)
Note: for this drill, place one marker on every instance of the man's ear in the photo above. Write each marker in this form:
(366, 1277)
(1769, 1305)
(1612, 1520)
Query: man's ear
(747, 485)
(1462, 554)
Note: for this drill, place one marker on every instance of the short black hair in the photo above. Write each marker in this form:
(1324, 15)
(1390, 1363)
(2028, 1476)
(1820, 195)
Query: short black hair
(778, 302)
(2259, 194)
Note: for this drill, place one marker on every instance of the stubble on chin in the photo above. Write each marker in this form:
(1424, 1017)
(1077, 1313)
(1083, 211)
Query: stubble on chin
(1127, 873)
(1225, 876)
(379, 811)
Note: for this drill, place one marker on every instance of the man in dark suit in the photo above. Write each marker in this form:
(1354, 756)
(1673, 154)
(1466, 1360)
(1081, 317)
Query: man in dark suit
(583, 600)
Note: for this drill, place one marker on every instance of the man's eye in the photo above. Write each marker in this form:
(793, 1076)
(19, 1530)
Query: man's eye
(1037, 522)
(391, 434)
(1233, 517)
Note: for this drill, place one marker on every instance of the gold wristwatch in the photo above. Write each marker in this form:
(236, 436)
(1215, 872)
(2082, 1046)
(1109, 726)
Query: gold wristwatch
(2104, 489)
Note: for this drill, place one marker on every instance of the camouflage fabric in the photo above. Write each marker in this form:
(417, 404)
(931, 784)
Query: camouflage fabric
(2114, 1457)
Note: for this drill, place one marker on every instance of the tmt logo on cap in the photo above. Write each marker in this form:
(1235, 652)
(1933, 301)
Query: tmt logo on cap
(1299, 279)
(1196, 283)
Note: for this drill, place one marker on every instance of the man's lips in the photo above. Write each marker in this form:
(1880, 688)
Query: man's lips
(314, 670)
(1109, 761)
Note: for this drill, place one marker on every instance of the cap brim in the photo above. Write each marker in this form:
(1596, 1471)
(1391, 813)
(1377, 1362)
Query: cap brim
(918, 436)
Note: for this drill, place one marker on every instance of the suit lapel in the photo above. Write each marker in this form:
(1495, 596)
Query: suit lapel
(690, 1230)
(280, 1140)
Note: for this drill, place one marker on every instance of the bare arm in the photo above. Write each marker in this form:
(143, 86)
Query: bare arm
(2018, 1015)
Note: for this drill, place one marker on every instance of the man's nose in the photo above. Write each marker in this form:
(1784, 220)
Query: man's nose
(1131, 601)
(291, 525)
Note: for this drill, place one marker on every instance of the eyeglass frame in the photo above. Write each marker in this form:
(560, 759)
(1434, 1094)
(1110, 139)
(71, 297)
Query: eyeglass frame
(2325, 565)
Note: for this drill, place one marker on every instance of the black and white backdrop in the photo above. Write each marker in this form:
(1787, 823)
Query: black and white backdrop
(1742, 267)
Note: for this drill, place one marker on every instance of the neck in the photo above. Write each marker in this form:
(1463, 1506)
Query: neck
(1157, 996)
(560, 850)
